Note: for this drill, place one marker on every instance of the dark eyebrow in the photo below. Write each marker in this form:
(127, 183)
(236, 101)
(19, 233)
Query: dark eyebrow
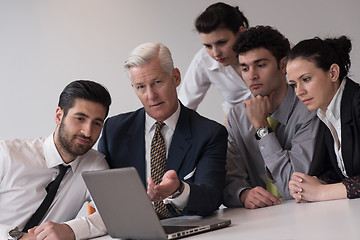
(254, 62)
(221, 40)
(81, 114)
(302, 75)
(261, 59)
(84, 115)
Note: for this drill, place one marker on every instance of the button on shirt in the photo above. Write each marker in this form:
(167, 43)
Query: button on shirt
(203, 72)
(332, 120)
(26, 168)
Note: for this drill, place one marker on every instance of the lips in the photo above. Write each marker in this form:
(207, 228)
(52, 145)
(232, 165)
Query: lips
(220, 60)
(306, 101)
(156, 104)
(255, 86)
(83, 140)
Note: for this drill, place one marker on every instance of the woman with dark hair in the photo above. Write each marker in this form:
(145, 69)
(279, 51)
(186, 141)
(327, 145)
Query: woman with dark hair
(318, 71)
(216, 64)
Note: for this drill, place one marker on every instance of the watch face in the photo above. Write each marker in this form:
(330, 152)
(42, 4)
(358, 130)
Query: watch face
(15, 233)
(262, 132)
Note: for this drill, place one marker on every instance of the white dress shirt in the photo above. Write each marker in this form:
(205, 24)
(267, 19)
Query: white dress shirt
(332, 119)
(26, 168)
(203, 72)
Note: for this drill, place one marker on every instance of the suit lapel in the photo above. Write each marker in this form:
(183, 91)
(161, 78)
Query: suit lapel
(347, 127)
(136, 144)
(181, 141)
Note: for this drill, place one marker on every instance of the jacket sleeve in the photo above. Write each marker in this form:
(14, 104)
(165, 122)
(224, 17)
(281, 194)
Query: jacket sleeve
(206, 189)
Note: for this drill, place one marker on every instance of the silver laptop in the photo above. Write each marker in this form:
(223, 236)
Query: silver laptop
(127, 212)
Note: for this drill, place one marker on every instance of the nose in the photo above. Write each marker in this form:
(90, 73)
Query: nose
(86, 129)
(299, 90)
(253, 75)
(151, 93)
(216, 51)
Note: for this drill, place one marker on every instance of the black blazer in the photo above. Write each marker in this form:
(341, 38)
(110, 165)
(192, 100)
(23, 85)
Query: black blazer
(198, 144)
(350, 137)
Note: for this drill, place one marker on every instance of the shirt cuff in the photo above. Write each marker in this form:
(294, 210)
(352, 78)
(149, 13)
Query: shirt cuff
(181, 201)
(87, 227)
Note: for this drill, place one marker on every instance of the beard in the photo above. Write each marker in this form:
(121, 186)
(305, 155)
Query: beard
(69, 144)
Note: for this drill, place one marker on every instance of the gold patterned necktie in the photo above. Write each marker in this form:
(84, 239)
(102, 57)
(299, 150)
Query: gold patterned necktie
(158, 163)
(270, 187)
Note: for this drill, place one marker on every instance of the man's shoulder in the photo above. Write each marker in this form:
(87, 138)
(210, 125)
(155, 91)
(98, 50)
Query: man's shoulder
(18, 144)
(94, 154)
(92, 160)
(123, 119)
(199, 120)
(238, 111)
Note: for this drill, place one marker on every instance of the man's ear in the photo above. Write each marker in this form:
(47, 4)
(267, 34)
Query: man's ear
(177, 76)
(334, 72)
(282, 65)
(241, 29)
(59, 115)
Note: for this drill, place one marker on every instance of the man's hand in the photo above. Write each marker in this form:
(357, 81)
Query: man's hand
(169, 184)
(257, 109)
(53, 231)
(258, 197)
(28, 236)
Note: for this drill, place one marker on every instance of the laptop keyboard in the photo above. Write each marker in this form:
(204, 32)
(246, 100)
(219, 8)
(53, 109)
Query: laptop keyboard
(174, 229)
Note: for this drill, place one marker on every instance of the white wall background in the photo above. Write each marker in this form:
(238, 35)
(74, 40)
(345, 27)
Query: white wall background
(46, 44)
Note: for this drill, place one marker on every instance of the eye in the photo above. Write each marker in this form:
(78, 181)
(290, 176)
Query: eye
(99, 124)
(79, 118)
(244, 69)
(261, 65)
(306, 79)
(208, 46)
(222, 43)
(139, 87)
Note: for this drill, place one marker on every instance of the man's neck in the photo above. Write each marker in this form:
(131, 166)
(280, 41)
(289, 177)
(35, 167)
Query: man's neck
(65, 156)
(279, 96)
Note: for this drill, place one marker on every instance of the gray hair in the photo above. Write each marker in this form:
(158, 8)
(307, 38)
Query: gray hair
(146, 52)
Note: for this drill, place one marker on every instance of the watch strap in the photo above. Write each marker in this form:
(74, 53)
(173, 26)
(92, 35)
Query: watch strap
(269, 130)
(178, 192)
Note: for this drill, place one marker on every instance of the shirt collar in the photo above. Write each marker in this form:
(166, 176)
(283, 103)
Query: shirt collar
(284, 110)
(170, 122)
(52, 156)
(335, 104)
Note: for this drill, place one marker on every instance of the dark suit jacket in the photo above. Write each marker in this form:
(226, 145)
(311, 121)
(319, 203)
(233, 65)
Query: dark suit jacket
(198, 143)
(350, 137)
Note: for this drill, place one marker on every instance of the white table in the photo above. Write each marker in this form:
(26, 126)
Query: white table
(338, 219)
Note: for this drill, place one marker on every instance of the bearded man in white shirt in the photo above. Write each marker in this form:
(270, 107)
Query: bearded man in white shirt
(28, 166)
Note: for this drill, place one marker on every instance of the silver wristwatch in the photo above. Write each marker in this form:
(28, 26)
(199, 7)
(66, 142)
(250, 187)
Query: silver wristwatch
(262, 132)
(14, 234)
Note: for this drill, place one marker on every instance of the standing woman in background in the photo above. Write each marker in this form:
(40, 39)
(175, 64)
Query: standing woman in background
(216, 64)
(318, 70)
